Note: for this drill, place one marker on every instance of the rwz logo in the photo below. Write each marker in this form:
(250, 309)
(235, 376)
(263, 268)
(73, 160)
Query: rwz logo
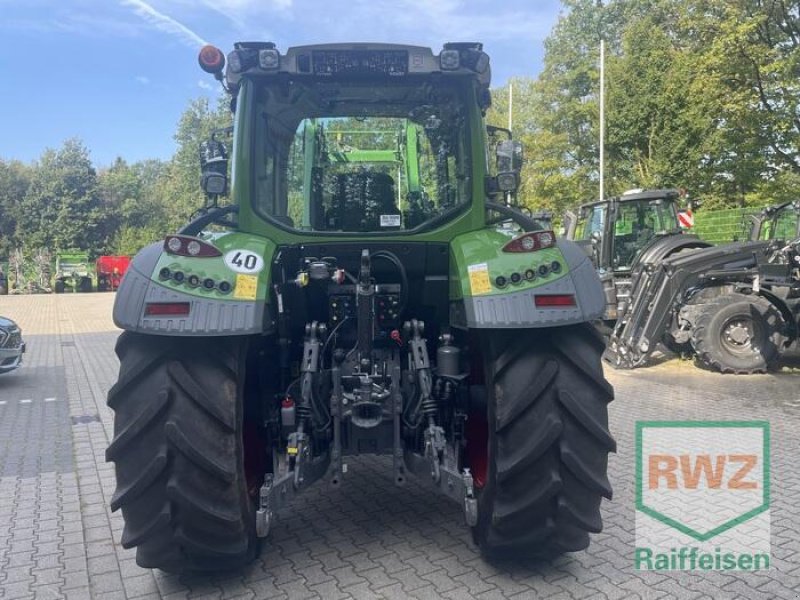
(693, 469)
(698, 480)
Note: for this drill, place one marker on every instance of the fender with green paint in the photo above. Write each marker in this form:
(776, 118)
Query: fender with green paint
(240, 310)
(490, 288)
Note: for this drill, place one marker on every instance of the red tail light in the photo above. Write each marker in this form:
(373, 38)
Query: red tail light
(184, 245)
(530, 242)
(166, 309)
(554, 300)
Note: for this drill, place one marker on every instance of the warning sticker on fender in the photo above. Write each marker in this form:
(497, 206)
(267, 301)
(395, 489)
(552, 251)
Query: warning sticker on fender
(246, 286)
(479, 279)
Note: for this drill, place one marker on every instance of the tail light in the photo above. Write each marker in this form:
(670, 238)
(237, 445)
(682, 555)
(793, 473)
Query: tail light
(554, 300)
(184, 245)
(530, 242)
(166, 309)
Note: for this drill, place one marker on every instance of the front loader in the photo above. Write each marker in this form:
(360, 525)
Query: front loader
(734, 306)
(368, 290)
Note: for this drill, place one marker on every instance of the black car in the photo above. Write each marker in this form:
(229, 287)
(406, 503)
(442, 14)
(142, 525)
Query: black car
(11, 345)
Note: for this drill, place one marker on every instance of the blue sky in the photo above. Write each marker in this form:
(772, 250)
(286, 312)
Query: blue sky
(118, 73)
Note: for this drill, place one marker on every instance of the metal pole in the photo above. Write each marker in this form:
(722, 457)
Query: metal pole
(602, 117)
(509, 196)
(510, 103)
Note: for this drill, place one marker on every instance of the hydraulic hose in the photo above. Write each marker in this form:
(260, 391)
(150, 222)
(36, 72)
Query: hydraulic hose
(392, 258)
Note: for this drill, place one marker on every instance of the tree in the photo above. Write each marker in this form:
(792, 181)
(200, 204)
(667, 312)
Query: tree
(181, 180)
(14, 182)
(61, 209)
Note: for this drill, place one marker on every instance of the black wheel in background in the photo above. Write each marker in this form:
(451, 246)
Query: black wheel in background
(740, 334)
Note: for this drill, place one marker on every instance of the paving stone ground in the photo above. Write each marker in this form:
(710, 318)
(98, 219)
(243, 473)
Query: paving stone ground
(367, 539)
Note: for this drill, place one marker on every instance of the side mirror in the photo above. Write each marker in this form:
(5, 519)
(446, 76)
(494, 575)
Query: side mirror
(508, 154)
(214, 167)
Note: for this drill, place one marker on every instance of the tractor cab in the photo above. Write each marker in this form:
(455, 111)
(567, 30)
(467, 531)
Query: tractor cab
(623, 231)
(618, 229)
(781, 222)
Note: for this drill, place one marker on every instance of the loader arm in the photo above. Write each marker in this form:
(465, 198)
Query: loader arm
(660, 289)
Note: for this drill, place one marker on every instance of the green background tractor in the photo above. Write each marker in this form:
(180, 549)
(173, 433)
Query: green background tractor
(367, 290)
(74, 273)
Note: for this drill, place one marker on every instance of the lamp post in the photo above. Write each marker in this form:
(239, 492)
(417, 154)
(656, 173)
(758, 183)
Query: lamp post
(602, 117)
(510, 103)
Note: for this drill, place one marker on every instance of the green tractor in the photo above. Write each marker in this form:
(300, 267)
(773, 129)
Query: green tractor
(73, 273)
(367, 291)
(624, 231)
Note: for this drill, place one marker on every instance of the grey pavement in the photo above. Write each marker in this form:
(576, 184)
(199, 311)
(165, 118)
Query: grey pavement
(367, 539)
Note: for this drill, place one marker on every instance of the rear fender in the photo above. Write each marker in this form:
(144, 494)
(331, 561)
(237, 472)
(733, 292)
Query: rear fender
(243, 310)
(479, 301)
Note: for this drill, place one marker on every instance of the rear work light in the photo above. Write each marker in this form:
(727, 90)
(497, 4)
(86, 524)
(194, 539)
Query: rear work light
(554, 300)
(183, 245)
(530, 242)
(166, 309)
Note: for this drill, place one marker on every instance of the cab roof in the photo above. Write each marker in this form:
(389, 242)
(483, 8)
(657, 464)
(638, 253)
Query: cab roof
(665, 194)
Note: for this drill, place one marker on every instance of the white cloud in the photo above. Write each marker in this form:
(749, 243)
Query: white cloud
(447, 20)
(165, 23)
(142, 79)
(202, 83)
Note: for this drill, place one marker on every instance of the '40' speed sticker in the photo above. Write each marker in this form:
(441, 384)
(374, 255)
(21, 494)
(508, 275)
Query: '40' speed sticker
(244, 261)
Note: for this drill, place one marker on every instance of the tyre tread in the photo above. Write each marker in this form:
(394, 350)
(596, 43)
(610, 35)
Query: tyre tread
(549, 444)
(178, 453)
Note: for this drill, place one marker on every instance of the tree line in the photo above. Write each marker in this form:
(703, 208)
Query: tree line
(701, 95)
(62, 202)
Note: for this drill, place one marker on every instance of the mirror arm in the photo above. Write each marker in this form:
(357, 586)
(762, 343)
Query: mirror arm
(214, 215)
(520, 218)
(492, 130)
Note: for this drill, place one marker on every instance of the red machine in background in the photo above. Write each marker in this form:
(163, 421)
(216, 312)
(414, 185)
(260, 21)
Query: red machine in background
(110, 270)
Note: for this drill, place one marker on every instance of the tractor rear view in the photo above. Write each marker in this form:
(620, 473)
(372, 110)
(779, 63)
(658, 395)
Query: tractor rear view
(73, 273)
(735, 306)
(367, 291)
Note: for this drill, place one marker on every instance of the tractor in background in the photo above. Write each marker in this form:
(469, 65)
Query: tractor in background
(73, 273)
(735, 307)
(621, 231)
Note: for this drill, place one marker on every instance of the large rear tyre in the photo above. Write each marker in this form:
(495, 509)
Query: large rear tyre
(178, 452)
(548, 442)
(739, 334)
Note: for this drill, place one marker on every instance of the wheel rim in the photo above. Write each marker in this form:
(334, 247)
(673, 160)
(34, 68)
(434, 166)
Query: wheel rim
(741, 335)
